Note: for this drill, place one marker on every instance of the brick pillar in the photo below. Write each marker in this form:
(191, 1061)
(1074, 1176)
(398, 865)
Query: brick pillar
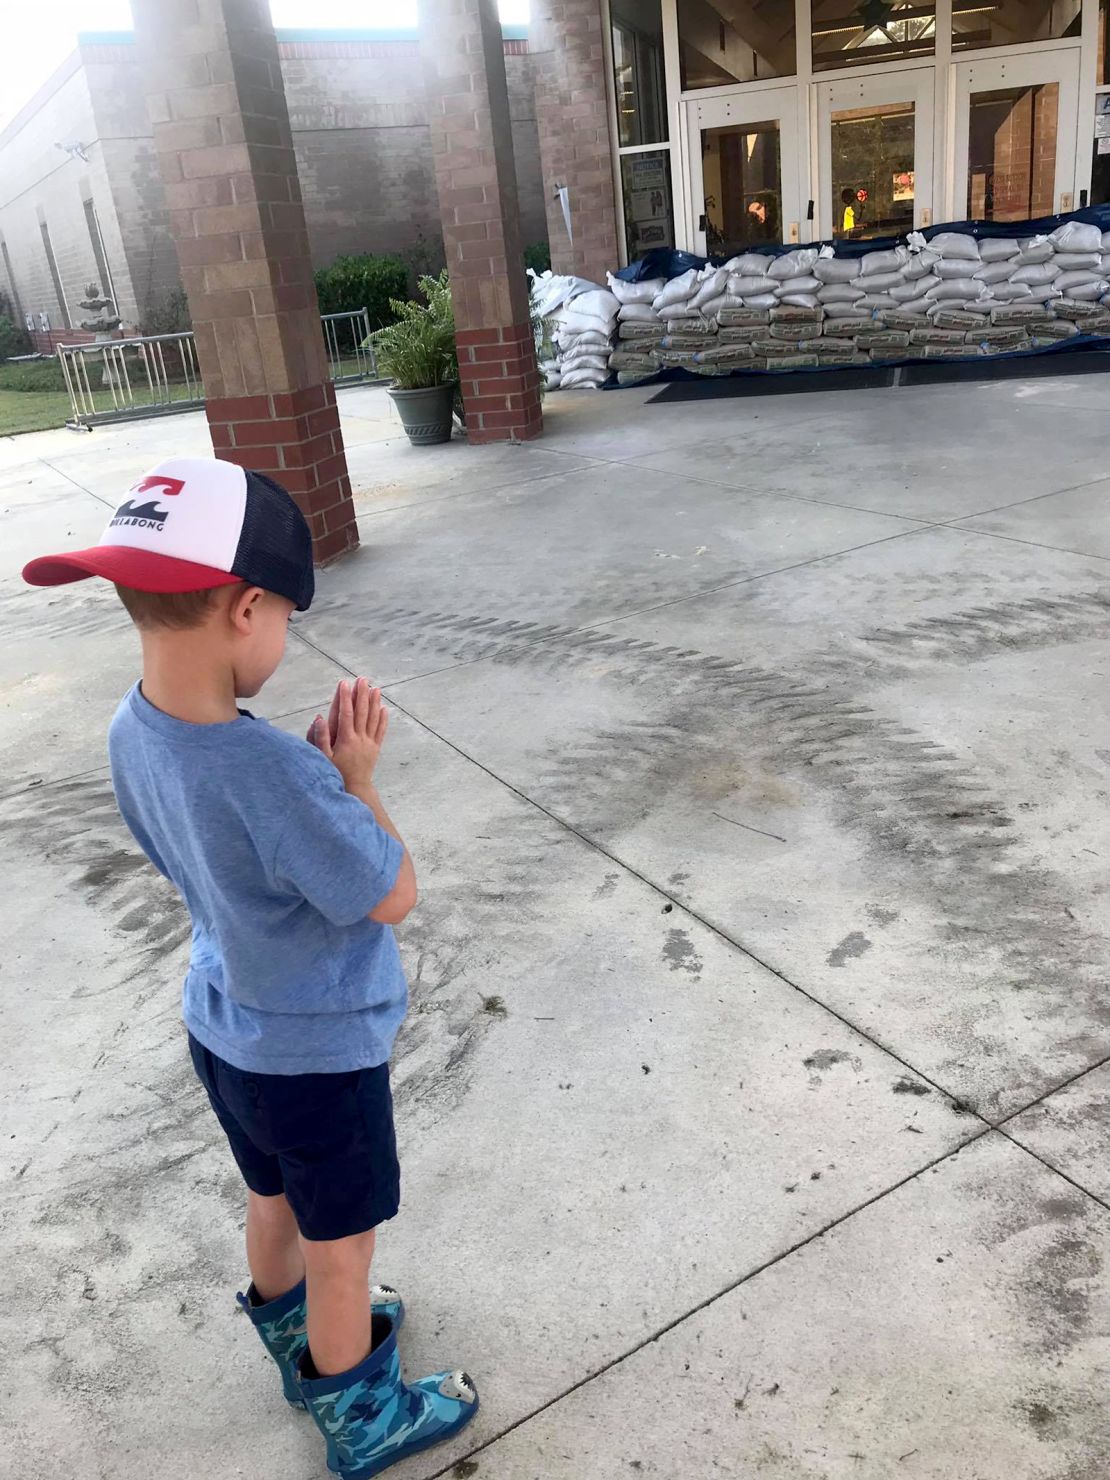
(472, 143)
(572, 112)
(221, 129)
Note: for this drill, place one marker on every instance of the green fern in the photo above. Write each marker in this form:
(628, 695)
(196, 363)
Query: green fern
(419, 349)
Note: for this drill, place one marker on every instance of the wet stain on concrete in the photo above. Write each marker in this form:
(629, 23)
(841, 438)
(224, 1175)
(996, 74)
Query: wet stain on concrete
(853, 945)
(906, 1086)
(681, 954)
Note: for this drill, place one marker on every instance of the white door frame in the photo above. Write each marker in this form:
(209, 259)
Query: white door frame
(914, 85)
(988, 73)
(752, 105)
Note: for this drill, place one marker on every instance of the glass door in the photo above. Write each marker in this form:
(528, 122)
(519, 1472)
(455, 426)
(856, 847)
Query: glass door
(745, 176)
(875, 159)
(1016, 136)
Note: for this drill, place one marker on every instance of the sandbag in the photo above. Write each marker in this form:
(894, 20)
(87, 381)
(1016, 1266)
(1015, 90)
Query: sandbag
(679, 290)
(760, 300)
(1077, 261)
(1106, 241)
(842, 311)
(1009, 291)
(1066, 281)
(633, 329)
(1071, 308)
(838, 293)
(953, 290)
(643, 313)
(1090, 292)
(567, 322)
(749, 264)
(907, 292)
(879, 282)
(583, 361)
(994, 272)
(1055, 329)
(871, 301)
(742, 317)
(741, 287)
(883, 338)
(634, 292)
(586, 380)
(800, 300)
(598, 303)
(901, 319)
(998, 249)
(1076, 236)
(1035, 273)
(1035, 249)
(882, 264)
(955, 244)
(957, 318)
(835, 269)
(550, 290)
(592, 337)
(921, 265)
(807, 313)
(799, 263)
(848, 328)
(937, 336)
(713, 285)
(955, 267)
(798, 285)
(916, 306)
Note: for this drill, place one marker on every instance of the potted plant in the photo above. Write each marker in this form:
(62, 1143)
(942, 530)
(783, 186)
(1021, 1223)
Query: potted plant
(417, 353)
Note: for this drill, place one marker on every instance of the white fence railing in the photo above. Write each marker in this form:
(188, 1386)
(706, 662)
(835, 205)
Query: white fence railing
(157, 374)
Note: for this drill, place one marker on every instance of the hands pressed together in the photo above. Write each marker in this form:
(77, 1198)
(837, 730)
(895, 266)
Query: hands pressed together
(353, 734)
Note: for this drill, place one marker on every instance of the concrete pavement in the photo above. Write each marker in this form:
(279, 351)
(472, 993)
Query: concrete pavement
(753, 1104)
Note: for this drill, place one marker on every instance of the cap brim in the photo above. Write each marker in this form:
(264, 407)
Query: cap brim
(140, 569)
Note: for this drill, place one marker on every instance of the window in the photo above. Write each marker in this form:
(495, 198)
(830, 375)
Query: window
(1100, 159)
(640, 93)
(1012, 22)
(1011, 157)
(52, 264)
(16, 304)
(848, 33)
(873, 145)
(724, 41)
(742, 175)
(1103, 49)
(638, 78)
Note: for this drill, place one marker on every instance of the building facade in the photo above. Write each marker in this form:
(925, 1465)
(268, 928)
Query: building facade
(736, 121)
(81, 198)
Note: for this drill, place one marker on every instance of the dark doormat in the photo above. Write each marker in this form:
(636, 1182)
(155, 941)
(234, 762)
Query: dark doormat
(879, 377)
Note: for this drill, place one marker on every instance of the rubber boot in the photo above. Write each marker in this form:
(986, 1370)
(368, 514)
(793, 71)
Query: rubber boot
(371, 1419)
(281, 1324)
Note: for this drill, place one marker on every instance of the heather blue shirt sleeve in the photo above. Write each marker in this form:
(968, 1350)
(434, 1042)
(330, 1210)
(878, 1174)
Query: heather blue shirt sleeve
(330, 849)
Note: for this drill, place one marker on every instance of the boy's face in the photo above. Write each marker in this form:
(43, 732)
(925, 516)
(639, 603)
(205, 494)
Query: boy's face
(260, 620)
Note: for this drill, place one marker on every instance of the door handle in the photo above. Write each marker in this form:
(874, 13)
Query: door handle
(1082, 200)
(809, 211)
(703, 222)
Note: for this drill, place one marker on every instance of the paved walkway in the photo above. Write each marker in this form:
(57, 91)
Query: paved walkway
(755, 1099)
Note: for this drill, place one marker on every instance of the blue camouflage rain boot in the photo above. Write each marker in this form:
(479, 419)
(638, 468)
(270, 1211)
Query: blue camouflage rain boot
(371, 1419)
(281, 1324)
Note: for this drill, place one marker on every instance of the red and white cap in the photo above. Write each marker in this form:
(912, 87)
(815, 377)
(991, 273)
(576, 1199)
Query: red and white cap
(193, 523)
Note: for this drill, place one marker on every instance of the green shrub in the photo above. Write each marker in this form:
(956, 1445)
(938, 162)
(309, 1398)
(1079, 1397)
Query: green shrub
(418, 349)
(366, 282)
(538, 257)
(14, 339)
(169, 314)
(33, 375)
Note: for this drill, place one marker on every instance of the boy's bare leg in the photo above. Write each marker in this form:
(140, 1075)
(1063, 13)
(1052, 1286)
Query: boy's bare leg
(273, 1246)
(338, 1275)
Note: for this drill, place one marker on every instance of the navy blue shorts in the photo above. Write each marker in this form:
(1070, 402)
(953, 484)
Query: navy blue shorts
(325, 1140)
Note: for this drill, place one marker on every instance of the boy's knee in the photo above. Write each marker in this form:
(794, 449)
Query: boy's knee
(339, 1256)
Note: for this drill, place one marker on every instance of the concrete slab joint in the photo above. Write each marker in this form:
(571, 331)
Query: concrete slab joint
(221, 130)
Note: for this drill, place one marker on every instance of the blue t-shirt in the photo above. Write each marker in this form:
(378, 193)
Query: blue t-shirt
(280, 868)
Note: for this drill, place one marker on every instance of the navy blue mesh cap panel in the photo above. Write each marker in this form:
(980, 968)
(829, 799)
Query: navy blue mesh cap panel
(275, 546)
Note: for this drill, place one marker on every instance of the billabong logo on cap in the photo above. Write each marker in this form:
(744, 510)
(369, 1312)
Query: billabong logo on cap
(141, 516)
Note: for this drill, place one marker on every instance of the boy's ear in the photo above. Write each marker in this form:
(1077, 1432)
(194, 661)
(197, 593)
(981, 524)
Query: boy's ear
(243, 606)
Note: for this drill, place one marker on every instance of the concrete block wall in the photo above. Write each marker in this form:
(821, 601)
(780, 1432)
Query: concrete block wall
(359, 119)
(40, 183)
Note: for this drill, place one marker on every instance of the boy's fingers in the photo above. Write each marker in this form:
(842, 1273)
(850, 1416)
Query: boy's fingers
(362, 705)
(383, 725)
(321, 737)
(346, 726)
(333, 713)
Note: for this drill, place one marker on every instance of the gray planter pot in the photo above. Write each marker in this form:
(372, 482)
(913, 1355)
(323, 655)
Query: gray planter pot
(426, 414)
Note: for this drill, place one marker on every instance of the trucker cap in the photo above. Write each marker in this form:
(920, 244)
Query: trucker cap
(192, 523)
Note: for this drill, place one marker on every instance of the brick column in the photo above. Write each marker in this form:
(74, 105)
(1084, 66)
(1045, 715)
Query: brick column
(472, 143)
(572, 112)
(221, 129)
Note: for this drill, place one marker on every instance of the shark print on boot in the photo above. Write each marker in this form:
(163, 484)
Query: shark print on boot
(282, 1326)
(370, 1418)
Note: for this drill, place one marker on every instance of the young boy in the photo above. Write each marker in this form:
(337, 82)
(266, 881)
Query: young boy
(293, 875)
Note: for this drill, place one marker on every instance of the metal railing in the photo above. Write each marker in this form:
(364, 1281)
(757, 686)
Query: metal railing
(157, 374)
(120, 379)
(350, 357)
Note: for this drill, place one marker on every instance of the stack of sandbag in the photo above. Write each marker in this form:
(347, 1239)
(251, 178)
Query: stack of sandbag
(576, 322)
(582, 331)
(640, 330)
